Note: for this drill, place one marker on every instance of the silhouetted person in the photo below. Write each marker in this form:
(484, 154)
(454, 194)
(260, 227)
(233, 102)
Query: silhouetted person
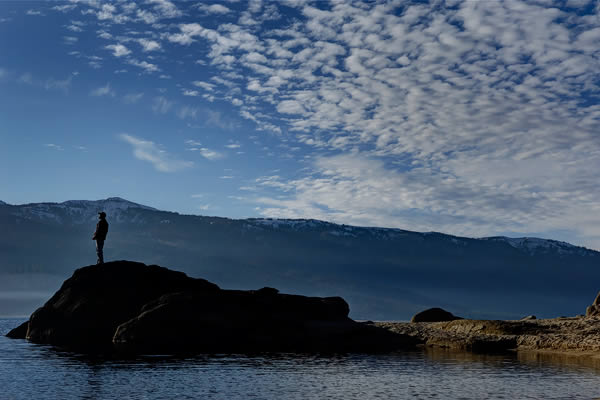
(100, 236)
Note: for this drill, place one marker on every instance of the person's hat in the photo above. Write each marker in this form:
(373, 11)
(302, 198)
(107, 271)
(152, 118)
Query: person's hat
(102, 214)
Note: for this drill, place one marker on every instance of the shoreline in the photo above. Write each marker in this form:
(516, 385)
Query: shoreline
(565, 336)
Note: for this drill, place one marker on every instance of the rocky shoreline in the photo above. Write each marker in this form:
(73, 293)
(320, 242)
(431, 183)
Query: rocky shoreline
(568, 335)
(130, 307)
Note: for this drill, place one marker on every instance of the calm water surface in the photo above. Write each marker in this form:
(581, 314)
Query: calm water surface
(29, 371)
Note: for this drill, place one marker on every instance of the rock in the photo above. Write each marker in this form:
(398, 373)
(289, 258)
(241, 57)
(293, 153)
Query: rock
(267, 291)
(594, 309)
(434, 315)
(238, 321)
(20, 332)
(134, 308)
(90, 305)
(574, 335)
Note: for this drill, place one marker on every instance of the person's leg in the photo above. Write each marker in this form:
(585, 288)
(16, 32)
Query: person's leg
(99, 247)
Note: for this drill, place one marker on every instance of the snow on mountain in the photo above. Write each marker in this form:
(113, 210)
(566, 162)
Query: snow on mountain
(536, 245)
(77, 211)
(340, 230)
(117, 210)
(530, 245)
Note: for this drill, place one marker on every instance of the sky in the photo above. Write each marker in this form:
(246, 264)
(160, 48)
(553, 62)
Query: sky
(473, 118)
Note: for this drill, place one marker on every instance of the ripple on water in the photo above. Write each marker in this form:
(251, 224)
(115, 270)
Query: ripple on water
(42, 372)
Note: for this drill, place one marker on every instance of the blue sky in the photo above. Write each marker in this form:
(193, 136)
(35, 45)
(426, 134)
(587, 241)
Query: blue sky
(474, 118)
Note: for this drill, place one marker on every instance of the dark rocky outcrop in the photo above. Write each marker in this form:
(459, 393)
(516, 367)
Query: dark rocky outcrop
(20, 332)
(136, 308)
(594, 309)
(434, 315)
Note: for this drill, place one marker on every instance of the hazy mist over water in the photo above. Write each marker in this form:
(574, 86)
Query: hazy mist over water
(34, 371)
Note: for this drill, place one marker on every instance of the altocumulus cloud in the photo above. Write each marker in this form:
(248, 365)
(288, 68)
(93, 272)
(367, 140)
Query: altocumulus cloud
(148, 151)
(471, 117)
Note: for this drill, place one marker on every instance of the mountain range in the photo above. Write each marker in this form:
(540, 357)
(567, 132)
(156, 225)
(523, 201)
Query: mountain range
(383, 273)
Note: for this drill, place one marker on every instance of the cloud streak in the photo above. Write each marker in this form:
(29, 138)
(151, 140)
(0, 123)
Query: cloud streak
(149, 151)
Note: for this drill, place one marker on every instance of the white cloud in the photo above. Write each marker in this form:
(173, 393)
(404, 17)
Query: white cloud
(290, 107)
(162, 105)
(193, 143)
(191, 93)
(70, 40)
(188, 112)
(118, 49)
(146, 66)
(35, 12)
(104, 35)
(59, 84)
(214, 9)
(460, 94)
(74, 28)
(133, 98)
(233, 146)
(54, 146)
(108, 12)
(65, 7)
(165, 9)
(149, 151)
(494, 99)
(105, 90)
(149, 45)
(210, 154)
(204, 85)
(26, 78)
(189, 31)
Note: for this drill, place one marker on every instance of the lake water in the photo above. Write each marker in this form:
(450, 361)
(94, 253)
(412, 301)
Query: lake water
(29, 371)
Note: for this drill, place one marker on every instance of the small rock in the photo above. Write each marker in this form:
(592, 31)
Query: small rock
(434, 315)
(594, 309)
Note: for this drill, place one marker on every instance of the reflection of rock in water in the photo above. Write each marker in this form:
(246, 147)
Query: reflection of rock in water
(533, 358)
(588, 360)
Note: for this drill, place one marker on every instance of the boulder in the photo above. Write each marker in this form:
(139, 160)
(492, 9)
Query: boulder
(133, 308)
(434, 315)
(594, 309)
(85, 312)
(240, 321)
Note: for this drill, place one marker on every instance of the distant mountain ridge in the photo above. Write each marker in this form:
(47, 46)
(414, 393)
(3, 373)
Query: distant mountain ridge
(384, 273)
(83, 211)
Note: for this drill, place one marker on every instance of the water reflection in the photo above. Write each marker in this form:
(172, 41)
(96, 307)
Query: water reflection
(36, 371)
